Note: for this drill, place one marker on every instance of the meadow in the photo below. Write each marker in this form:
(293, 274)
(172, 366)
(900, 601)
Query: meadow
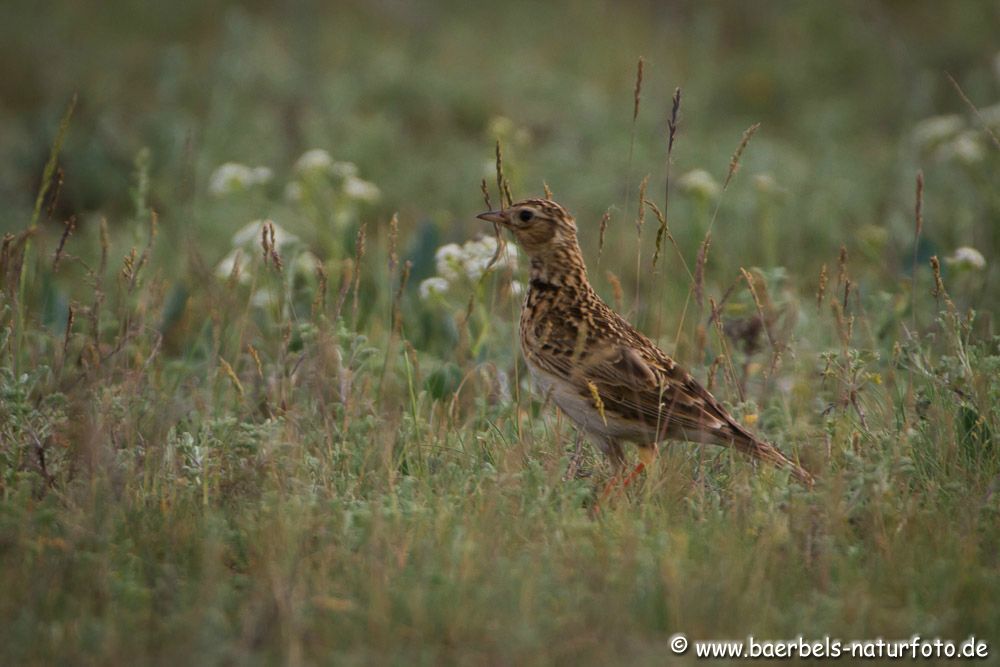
(261, 400)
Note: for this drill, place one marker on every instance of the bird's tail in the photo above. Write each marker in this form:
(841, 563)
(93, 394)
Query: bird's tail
(747, 443)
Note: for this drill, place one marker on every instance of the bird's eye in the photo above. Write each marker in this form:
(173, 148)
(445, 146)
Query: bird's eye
(526, 215)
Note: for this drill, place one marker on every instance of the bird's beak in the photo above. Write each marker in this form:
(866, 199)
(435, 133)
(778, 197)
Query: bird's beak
(499, 217)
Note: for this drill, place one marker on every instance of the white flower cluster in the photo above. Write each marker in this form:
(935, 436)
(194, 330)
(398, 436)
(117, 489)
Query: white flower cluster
(318, 162)
(967, 258)
(234, 177)
(952, 138)
(700, 183)
(246, 245)
(468, 261)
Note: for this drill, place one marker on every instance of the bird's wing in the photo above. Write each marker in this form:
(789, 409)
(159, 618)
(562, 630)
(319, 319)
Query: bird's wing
(640, 384)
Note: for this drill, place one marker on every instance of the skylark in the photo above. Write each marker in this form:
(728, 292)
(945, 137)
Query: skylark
(610, 379)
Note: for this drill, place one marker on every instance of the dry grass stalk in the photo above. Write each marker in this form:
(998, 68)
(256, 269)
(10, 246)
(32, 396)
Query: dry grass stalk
(95, 308)
(760, 309)
(664, 231)
(346, 279)
(938, 290)
(503, 186)
(319, 301)
(393, 240)
(845, 325)
(146, 252)
(68, 227)
(918, 227)
(231, 374)
(975, 110)
(486, 195)
(51, 164)
(640, 221)
(699, 270)
(397, 309)
(604, 228)
(637, 93)
(847, 292)
(70, 317)
(712, 371)
(548, 190)
(128, 265)
(726, 356)
(821, 292)
(672, 124)
(636, 96)
(256, 360)
(501, 243)
(842, 266)
(919, 206)
(271, 246)
(359, 255)
(60, 179)
(734, 162)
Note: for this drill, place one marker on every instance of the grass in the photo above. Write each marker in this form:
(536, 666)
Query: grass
(217, 452)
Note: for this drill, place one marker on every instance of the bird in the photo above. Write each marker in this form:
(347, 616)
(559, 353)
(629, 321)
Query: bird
(612, 381)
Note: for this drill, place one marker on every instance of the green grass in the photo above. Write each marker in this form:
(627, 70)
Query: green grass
(317, 465)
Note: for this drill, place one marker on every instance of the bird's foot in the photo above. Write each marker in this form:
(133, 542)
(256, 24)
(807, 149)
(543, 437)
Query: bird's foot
(647, 455)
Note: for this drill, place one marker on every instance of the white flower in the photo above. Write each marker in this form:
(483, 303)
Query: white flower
(235, 177)
(305, 263)
(361, 190)
(344, 169)
(433, 286)
(315, 160)
(991, 114)
(967, 258)
(932, 131)
(263, 297)
(765, 183)
(448, 260)
(964, 148)
(250, 235)
(293, 191)
(500, 126)
(262, 175)
(700, 183)
(479, 254)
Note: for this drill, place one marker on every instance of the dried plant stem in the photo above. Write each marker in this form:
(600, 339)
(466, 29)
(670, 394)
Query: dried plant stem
(43, 189)
(640, 221)
(359, 255)
(636, 97)
(918, 226)
(672, 122)
(603, 229)
(975, 110)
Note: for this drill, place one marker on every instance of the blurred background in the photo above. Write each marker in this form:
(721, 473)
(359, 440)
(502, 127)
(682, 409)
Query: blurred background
(853, 99)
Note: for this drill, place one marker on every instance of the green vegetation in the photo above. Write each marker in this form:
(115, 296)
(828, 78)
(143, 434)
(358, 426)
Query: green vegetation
(215, 449)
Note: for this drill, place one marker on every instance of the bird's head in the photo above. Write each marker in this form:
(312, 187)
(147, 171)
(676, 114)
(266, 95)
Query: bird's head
(539, 225)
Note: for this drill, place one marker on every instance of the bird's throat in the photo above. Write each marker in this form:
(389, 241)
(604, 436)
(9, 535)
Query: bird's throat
(560, 268)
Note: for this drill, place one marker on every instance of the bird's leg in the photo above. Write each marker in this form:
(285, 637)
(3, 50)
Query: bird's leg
(647, 454)
(614, 452)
